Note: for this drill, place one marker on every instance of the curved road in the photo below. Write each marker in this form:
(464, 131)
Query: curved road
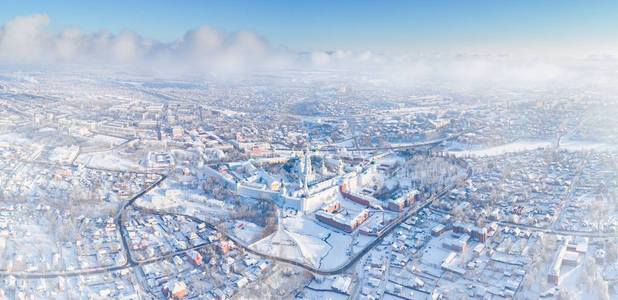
(338, 270)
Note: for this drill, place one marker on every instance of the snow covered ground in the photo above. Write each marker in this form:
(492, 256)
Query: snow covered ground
(498, 150)
(14, 138)
(525, 145)
(348, 143)
(302, 248)
(434, 253)
(338, 255)
(99, 138)
(63, 154)
(318, 295)
(305, 240)
(585, 145)
(107, 160)
(246, 231)
(280, 244)
(324, 246)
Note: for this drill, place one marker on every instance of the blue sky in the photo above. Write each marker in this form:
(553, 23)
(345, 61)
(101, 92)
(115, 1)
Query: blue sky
(356, 25)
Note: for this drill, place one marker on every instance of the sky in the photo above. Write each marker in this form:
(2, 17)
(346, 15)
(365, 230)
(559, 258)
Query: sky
(383, 26)
(468, 42)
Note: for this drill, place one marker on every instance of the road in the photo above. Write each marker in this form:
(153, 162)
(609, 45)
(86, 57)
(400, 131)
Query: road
(568, 195)
(118, 218)
(128, 264)
(338, 270)
(413, 146)
(357, 256)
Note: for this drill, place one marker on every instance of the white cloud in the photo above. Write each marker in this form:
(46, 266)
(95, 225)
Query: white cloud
(125, 47)
(70, 43)
(457, 71)
(320, 58)
(28, 39)
(25, 38)
(202, 41)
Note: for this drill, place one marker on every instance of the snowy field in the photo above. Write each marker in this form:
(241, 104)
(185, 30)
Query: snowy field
(319, 295)
(293, 246)
(307, 240)
(498, 150)
(107, 160)
(246, 231)
(63, 154)
(584, 145)
(526, 145)
(14, 138)
(99, 138)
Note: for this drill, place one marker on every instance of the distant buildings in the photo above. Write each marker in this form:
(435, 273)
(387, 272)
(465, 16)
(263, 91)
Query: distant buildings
(177, 132)
(553, 276)
(400, 203)
(340, 221)
(342, 284)
(563, 256)
(194, 257)
(477, 233)
(223, 247)
(438, 230)
(175, 289)
(160, 160)
(331, 207)
(362, 199)
(457, 244)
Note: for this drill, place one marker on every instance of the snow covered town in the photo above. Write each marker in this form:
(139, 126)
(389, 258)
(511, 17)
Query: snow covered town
(129, 188)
